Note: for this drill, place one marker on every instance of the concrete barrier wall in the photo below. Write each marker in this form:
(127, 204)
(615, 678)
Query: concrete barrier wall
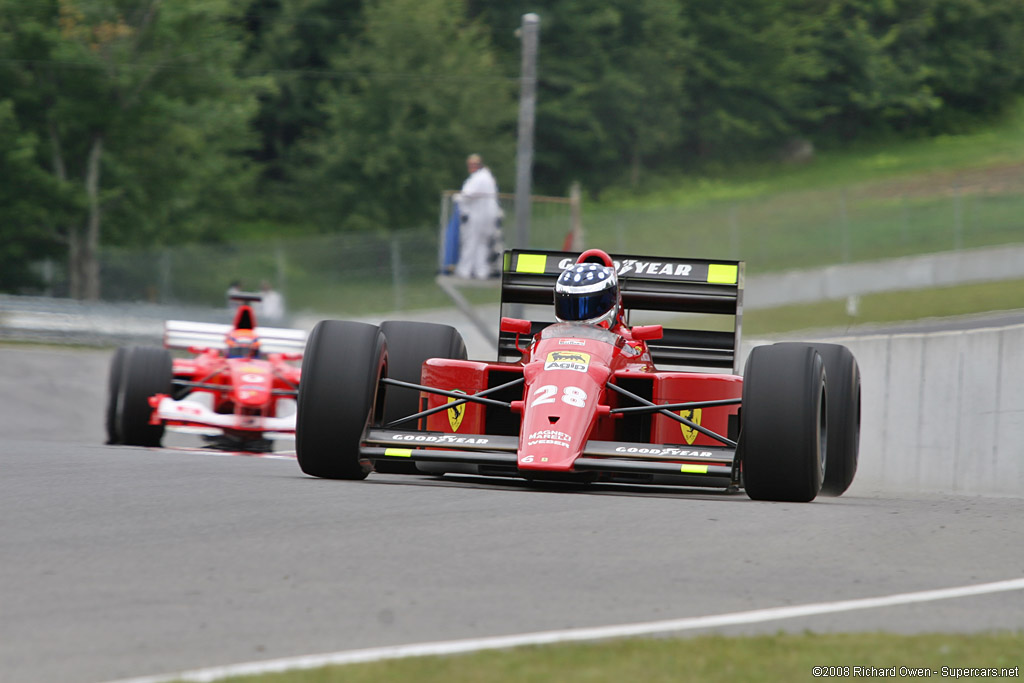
(942, 412)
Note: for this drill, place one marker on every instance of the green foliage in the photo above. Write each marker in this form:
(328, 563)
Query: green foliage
(612, 94)
(416, 92)
(144, 122)
(25, 194)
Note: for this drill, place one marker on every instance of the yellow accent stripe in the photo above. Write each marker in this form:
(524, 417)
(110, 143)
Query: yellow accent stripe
(722, 274)
(531, 263)
(398, 452)
(694, 469)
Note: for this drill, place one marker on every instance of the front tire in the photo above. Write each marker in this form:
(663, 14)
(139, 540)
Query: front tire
(145, 372)
(784, 430)
(341, 370)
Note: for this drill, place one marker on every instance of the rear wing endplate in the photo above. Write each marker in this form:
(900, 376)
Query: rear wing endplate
(647, 283)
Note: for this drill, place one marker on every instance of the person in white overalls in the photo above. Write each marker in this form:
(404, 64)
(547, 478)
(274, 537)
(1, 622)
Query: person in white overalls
(480, 215)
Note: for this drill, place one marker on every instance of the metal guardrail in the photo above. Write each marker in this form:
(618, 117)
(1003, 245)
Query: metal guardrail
(43, 319)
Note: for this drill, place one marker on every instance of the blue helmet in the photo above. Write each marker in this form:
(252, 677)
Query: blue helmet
(588, 293)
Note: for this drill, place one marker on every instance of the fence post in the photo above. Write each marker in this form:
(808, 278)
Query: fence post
(282, 277)
(734, 232)
(844, 227)
(165, 276)
(576, 216)
(958, 217)
(396, 273)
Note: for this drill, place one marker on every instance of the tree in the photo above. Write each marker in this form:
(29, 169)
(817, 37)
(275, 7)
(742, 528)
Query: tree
(611, 89)
(142, 116)
(412, 95)
(25, 194)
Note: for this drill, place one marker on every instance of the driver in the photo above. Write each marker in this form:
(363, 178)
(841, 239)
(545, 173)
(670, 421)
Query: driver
(588, 293)
(243, 344)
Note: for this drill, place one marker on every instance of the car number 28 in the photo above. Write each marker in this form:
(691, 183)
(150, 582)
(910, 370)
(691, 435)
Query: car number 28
(573, 396)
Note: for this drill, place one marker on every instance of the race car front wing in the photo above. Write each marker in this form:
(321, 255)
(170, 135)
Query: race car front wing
(706, 466)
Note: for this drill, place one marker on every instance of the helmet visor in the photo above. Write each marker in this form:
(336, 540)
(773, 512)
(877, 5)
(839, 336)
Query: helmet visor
(581, 306)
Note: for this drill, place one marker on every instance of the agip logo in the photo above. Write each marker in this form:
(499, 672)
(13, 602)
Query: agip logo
(689, 433)
(567, 360)
(456, 413)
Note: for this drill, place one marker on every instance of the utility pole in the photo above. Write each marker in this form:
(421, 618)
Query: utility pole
(524, 149)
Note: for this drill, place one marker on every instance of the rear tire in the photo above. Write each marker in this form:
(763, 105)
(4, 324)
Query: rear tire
(409, 345)
(784, 430)
(145, 372)
(843, 417)
(341, 370)
(114, 395)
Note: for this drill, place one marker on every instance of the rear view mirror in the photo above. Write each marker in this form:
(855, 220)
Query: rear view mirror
(645, 332)
(515, 325)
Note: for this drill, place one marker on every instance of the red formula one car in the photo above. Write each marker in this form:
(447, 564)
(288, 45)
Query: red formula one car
(232, 391)
(584, 396)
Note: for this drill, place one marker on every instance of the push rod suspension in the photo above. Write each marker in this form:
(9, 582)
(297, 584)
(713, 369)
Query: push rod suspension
(667, 413)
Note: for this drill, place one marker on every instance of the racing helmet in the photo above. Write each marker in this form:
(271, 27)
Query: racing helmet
(243, 344)
(587, 293)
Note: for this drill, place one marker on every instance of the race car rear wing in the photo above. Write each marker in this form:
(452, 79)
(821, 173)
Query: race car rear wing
(186, 335)
(647, 283)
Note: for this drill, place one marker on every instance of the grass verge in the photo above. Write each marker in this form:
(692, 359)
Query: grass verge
(889, 307)
(778, 657)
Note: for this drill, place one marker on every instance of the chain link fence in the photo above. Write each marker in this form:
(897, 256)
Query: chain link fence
(846, 224)
(358, 273)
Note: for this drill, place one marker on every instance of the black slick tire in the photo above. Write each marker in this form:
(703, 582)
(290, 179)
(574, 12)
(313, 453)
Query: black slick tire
(783, 430)
(145, 372)
(338, 397)
(843, 417)
(114, 395)
(409, 345)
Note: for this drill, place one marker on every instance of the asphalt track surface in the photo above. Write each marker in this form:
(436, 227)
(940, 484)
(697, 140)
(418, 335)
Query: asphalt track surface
(120, 562)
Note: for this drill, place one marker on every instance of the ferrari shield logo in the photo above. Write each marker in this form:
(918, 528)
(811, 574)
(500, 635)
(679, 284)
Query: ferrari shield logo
(689, 433)
(456, 414)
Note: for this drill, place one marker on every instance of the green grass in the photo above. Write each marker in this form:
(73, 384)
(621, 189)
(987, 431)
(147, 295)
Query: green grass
(864, 203)
(778, 657)
(888, 308)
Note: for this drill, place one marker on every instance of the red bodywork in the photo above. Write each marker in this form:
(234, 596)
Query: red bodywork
(565, 403)
(242, 395)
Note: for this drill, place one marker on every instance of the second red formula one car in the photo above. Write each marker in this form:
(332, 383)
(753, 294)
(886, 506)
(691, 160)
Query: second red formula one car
(231, 391)
(585, 397)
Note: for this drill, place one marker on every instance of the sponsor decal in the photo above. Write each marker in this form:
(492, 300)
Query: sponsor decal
(532, 263)
(567, 360)
(667, 451)
(438, 438)
(254, 378)
(689, 433)
(649, 268)
(551, 437)
(693, 469)
(572, 342)
(188, 410)
(398, 452)
(456, 414)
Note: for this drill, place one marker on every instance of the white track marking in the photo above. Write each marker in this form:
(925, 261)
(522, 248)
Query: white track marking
(573, 635)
